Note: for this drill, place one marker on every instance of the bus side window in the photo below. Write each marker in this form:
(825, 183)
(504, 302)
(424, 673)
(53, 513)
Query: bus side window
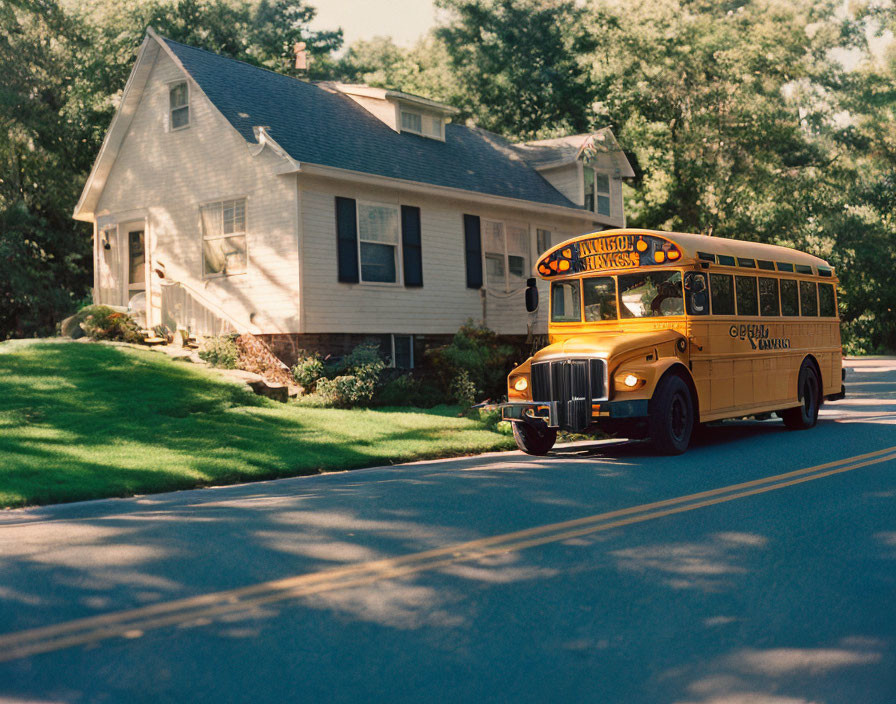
(722, 293)
(747, 301)
(808, 298)
(790, 304)
(768, 298)
(696, 294)
(826, 300)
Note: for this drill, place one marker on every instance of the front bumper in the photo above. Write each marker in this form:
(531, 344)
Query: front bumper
(546, 411)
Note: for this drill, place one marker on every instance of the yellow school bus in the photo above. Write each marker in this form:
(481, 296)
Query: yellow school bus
(653, 332)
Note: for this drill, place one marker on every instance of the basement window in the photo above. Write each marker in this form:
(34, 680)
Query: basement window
(402, 351)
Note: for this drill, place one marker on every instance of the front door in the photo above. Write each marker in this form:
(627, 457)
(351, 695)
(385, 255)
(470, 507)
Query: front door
(136, 262)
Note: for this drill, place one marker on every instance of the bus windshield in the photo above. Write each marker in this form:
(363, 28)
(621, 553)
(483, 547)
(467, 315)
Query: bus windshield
(639, 295)
(651, 294)
(565, 297)
(600, 298)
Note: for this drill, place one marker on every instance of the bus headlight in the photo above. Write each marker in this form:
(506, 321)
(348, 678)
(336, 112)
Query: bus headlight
(628, 381)
(521, 384)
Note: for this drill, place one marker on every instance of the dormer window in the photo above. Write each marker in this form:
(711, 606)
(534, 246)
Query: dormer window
(424, 124)
(411, 121)
(178, 105)
(597, 191)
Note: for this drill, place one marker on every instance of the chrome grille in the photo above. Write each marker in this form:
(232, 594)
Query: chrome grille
(574, 384)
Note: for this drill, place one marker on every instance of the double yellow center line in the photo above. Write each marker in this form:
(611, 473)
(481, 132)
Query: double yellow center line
(200, 609)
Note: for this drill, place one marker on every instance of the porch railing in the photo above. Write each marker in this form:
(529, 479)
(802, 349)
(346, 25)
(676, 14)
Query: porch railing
(185, 307)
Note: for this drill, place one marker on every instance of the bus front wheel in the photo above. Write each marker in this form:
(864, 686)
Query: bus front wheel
(806, 414)
(533, 440)
(671, 419)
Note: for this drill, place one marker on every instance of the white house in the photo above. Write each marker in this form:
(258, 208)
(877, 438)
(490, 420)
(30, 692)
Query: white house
(315, 215)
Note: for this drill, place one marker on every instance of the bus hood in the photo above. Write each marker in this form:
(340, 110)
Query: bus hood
(605, 344)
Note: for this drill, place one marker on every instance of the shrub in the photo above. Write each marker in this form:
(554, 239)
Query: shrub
(347, 390)
(364, 356)
(477, 351)
(220, 351)
(309, 368)
(463, 390)
(357, 380)
(103, 323)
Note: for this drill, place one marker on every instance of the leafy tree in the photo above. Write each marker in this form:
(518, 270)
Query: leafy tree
(518, 64)
(425, 69)
(48, 114)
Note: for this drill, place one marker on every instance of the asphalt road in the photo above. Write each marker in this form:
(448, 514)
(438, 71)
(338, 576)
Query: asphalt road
(759, 567)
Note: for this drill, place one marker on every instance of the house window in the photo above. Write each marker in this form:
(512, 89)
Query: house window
(543, 241)
(224, 238)
(424, 124)
(506, 254)
(403, 351)
(597, 191)
(378, 229)
(411, 121)
(435, 126)
(602, 187)
(179, 105)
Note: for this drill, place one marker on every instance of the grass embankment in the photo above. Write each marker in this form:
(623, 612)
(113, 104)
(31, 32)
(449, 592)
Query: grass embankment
(81, 421)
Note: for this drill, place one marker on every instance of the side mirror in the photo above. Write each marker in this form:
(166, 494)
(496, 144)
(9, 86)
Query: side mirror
(531, 296)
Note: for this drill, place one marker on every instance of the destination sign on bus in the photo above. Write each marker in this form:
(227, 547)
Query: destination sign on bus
(614, 252)
(604, 252)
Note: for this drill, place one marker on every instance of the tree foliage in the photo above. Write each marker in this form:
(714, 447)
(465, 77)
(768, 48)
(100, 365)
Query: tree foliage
(518, 63)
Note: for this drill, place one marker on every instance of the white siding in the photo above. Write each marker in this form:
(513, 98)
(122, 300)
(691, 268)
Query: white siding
(567, 179)
(165, 176)
(441, 305)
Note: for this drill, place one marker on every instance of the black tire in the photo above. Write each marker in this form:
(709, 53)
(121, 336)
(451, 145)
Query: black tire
(671, 420)
(533, 440)
(805, 415)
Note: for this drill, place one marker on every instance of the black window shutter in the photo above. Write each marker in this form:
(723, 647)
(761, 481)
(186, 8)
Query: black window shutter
(473, 250)
(347, 239)
(411, 246)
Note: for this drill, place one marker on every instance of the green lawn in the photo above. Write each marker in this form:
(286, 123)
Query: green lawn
(81, 421)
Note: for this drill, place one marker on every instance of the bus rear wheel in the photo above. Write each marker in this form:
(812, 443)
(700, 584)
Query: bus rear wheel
(671, 419)
(533, 440)
(806, 414)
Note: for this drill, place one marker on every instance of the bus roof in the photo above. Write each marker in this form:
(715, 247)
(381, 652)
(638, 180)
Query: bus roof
(694, 248)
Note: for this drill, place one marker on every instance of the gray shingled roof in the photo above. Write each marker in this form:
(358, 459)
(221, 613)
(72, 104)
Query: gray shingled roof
(317, 126)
